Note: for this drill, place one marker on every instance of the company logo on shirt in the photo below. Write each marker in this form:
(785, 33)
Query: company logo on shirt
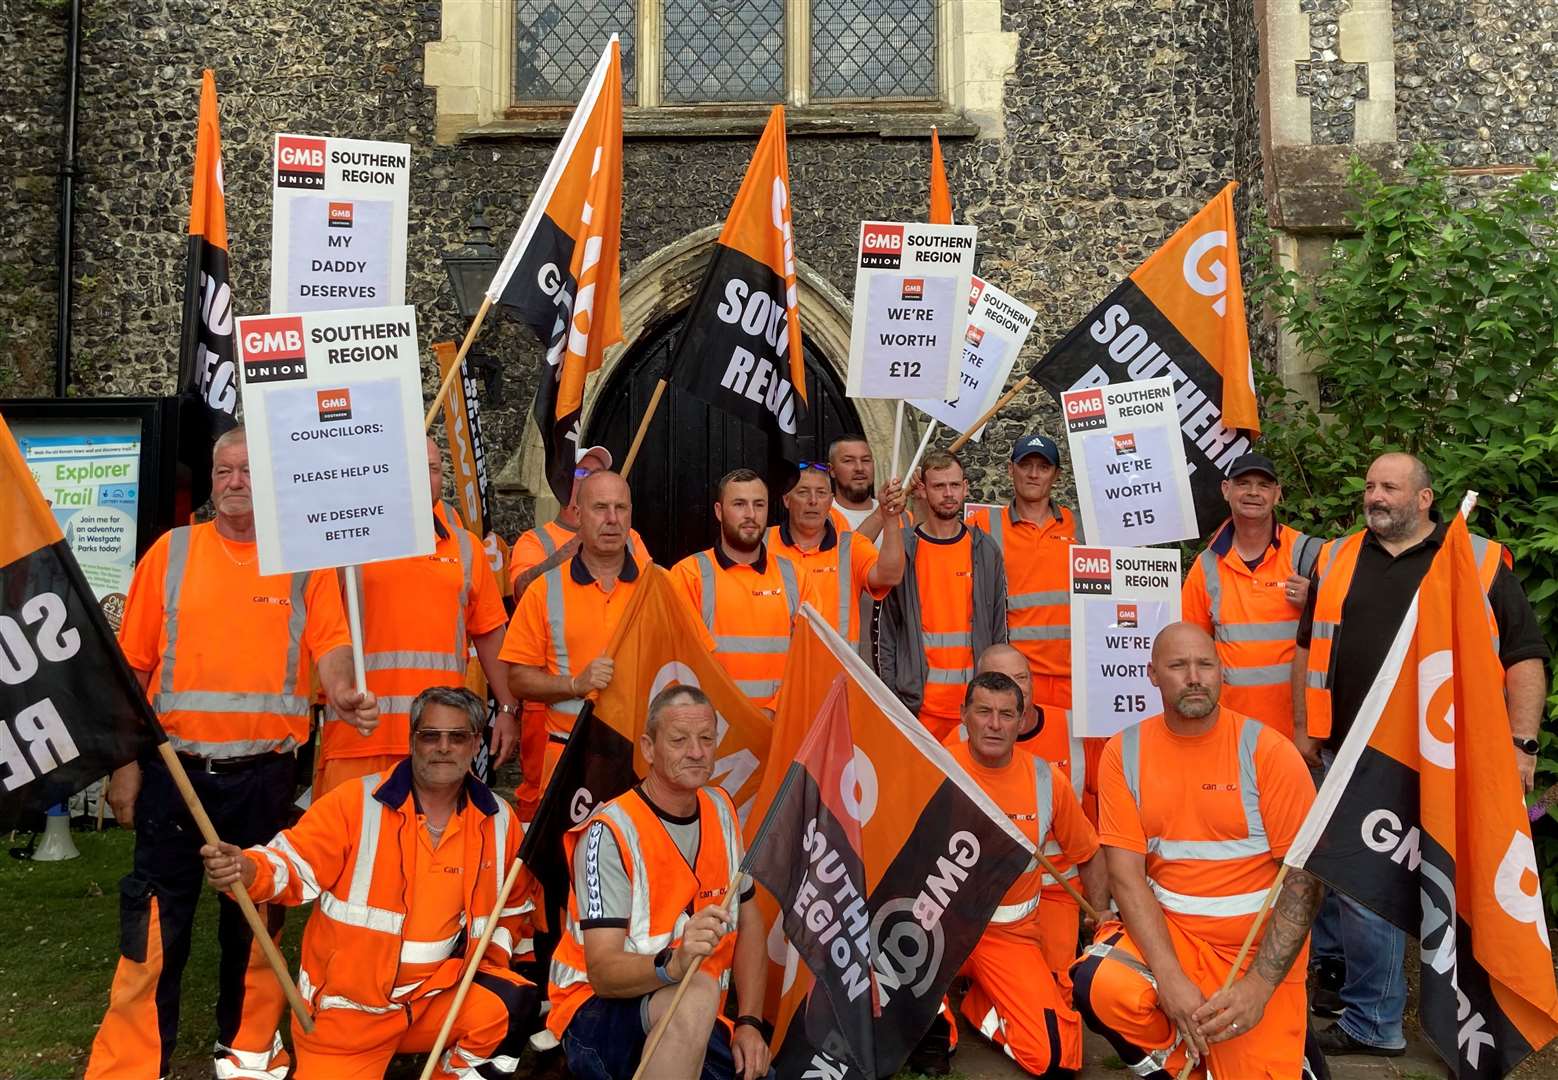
(1085, 410)
(300, 163)
(913, 288)
(1091, 570)
(334, 404)
(881, 246)
(340, 215)
(1124, 443)
(278, 601)
(1125, 616)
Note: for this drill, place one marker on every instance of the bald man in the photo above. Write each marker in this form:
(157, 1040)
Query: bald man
(1189, 868)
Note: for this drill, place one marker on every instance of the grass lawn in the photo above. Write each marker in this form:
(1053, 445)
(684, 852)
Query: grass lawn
(58, 957)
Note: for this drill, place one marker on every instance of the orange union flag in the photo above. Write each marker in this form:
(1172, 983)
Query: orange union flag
(562, 273)
(1179, 315)
(1421, 819)
(741, 350)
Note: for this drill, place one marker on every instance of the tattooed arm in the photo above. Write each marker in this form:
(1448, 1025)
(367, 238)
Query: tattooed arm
(1236, 1010)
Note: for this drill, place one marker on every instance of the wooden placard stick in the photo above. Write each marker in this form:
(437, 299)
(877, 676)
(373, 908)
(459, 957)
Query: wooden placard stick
(1049, 868)
(643, 428)
(459, 363)
(1001, 402)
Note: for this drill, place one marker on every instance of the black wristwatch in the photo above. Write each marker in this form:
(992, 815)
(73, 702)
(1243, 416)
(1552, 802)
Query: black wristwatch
(663, 965)
(1526, 746)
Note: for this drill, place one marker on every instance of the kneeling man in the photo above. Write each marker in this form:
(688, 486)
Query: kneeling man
(1015, 998)
(651, 870)
(406, 867)
(1197, 806)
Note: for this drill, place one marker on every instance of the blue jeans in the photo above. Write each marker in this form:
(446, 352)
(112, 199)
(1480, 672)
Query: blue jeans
(604, 1039)
(1374, 992)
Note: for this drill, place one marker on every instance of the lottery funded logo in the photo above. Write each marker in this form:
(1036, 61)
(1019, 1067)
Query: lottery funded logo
(1084, 409)
(334, 404)
(913, 289)
(273, 349)
(881, 246)
(300, 163)
(340, 215)
(1124, 443)
(1092, 571)
(1125, 616)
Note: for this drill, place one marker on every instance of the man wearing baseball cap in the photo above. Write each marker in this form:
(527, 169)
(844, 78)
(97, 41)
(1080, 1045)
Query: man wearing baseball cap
(1034, 536)
(1247, 589)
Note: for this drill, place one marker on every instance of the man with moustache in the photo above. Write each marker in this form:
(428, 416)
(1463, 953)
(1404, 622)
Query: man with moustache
(651, 870)
(1361, 588)
(743, 593)
(405, 868)
(853, 471)
(948, 609)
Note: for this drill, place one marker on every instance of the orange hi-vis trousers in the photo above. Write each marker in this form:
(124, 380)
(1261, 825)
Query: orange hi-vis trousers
(1015, 1001)
(489, 1033)
(1117, 995)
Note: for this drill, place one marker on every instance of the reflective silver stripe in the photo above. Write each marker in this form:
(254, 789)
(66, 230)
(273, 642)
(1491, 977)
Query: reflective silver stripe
(991, 1023)
(1130, 761)
(1110, 952)
(280, 848)
(846, 583)
(1010, 913)
(394, 659)
(281, 875)
(947, 676)
(1020, 601)
(229, 701)
(429, 952)
(360, 915)
(1055, 632)
(730, 834)
(998, 529)
(564, 976)
(639, 937)
(949, 640)
(1286, 630)
(557, 626)
(544, 538)
(570, 707)
(336, 1001)
(706, 578)
(1219, 906)
(467, 565)
(755, 644)
(500, 843)
(1078, 764)
(406, 988)
(216, 751)
(172, 582)
(792, 583)
(296, 621)
(757, 688)
(1323, 628)
(391, 705)
(1211, 576)
(1479, 551)
(367, 845)
(1254, 842)
(1269, 675)
(1314, 680)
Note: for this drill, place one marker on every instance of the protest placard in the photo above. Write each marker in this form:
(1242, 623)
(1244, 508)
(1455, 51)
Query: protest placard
(911, 309)
(1132, 484)
(1120, 598)
(333, 401)
(338, 223)
(998, 324)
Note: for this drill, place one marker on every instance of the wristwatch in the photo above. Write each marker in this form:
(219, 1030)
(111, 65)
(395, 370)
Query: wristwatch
(663, 964)
(1526, 746)
(505, 709)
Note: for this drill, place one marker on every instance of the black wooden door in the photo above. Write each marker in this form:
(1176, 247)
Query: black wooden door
(690, 445)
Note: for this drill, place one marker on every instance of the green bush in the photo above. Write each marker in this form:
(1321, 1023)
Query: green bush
(1437, 326)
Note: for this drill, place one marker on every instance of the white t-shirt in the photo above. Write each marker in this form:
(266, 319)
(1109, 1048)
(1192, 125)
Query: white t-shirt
(855, 517)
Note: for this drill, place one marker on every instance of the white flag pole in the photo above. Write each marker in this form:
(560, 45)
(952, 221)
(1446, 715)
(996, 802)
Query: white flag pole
(914, 462)
(897, 438)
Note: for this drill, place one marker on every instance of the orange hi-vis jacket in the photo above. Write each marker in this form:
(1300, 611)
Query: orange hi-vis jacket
(230, 651)
(748, 609)
(666, 891)
(1212, 813)
(418, 616)
(354, 853)
(1248, 615)
(837, 570)
(1038, 601)
(1333, 578)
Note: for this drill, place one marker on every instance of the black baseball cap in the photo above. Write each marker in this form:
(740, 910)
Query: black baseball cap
(1036, 444)
(1248, 463)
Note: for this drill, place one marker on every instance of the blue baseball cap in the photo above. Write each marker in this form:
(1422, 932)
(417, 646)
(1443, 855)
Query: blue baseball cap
(1036, 444)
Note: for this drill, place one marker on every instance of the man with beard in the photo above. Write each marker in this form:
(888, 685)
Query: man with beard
(743, 593)
(844, 567)
(1197, 807)
(949, 608)
(853, 470)
(1361, 589)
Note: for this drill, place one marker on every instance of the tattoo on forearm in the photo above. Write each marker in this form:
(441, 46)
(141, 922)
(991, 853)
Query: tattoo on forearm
(1291, 917)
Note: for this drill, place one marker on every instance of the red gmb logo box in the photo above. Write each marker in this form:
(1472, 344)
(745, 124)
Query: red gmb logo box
(1092, 570)
(300, 162)
(272, 349)
(1084, 409)
(881, 246)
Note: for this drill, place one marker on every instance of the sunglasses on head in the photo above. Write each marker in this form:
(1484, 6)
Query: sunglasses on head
(820, 466)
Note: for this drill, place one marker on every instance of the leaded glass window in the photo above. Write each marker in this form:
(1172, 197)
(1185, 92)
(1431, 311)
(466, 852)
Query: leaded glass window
(723, 50)
(873, 49)
(557, 43)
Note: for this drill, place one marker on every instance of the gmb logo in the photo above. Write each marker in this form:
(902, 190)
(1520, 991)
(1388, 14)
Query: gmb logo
(1211, 279)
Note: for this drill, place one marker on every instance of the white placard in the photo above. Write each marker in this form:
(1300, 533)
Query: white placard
(1120, 599)
(337, 457)
(998, 324)
(1132, 484)
(911, 309)
(338, 223)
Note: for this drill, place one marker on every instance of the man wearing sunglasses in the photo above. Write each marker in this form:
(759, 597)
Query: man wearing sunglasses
(841, 564)
(405, 867)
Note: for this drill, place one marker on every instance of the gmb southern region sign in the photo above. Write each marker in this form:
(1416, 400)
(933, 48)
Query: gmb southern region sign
(1120, 598)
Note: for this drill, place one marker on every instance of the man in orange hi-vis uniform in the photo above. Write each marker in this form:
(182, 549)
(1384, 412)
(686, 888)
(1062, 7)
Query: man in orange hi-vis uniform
(1196, 808)
(843, 565)
(418, 615)
(745, 594)
(225, 655)
(949, 608)
(1019, 997)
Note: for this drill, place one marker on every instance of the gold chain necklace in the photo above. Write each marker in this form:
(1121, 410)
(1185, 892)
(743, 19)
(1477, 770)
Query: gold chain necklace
(226, 551)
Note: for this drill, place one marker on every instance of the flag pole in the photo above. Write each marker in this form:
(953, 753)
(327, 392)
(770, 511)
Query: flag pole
(1017, 387)
(1244, 950)
(240, 895)
(1049, 868)
(643, 428)
(459, 363)
(914, 462)
(470, 969)
(653, 1042)
(897, 438)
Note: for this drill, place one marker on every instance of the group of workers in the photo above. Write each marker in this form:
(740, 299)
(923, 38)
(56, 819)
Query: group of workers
(965, 616)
